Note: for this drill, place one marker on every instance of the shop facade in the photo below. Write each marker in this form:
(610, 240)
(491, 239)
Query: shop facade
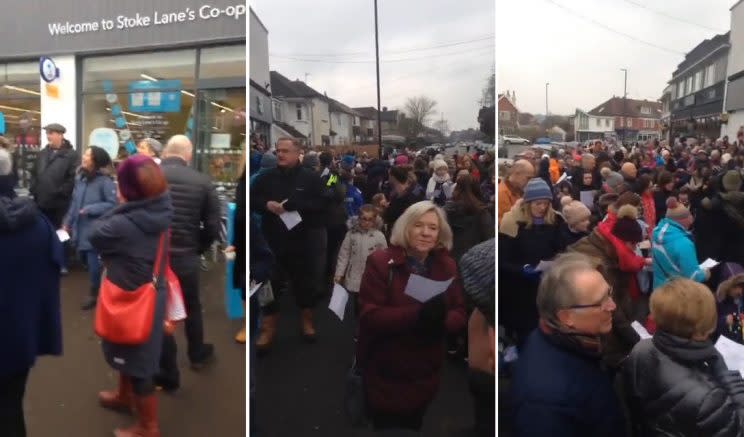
(116, 72)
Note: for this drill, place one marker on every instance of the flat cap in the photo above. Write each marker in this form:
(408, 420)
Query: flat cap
(55, 127)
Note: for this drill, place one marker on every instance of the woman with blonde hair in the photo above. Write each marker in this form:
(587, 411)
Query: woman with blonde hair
(677, 382)
(401, 337)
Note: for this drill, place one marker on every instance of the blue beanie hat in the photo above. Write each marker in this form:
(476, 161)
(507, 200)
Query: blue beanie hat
(537, 189)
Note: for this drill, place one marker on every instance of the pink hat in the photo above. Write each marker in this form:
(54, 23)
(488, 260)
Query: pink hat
(401, 160)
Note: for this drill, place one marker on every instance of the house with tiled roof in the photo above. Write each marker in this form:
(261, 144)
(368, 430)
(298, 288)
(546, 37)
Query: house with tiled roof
(303, 108)
(633, 120)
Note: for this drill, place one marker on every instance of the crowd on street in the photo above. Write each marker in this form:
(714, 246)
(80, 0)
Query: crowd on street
(620, 274)
(407, 238)
(146, 221)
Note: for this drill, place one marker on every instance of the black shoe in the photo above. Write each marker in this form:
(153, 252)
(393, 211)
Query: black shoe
(88, 304)
(207, 356)
(168, 385)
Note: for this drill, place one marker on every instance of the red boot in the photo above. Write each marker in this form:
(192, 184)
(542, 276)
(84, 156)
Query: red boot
(147, 419)
(122, 399)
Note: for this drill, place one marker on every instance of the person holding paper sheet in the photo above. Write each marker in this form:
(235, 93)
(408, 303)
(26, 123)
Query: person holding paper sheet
(401, 340)
(677, 382)
(94, 194)
(512, 185)
(362, 240)
(528, 234)
(300, 252)
(673, 251)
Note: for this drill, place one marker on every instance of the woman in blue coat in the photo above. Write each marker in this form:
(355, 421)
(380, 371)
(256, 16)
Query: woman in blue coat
(127, 239)
(93, 196)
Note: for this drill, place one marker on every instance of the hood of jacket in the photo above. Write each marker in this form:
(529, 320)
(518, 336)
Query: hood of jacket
(17, 213)
(733, 206)
(152, 216)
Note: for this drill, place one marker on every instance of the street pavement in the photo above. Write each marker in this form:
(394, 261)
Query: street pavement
(61, 397)
(300, 386)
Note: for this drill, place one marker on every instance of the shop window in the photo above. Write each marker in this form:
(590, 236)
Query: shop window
(223, 62)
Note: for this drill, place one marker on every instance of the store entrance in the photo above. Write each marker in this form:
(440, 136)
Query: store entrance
(220, 133)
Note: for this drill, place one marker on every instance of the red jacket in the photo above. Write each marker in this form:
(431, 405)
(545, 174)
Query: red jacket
(401, 370)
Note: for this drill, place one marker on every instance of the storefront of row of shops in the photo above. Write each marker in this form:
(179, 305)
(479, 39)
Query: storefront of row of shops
(115, 72)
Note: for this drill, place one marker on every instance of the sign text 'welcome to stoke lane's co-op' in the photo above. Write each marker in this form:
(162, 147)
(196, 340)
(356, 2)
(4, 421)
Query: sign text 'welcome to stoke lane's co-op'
(138, 20)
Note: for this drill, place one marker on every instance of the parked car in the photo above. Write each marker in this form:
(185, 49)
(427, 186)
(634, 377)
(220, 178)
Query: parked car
(514, 140)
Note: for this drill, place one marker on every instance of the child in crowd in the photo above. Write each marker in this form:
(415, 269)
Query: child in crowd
(363, 238)
(440, 186)
(380, 202)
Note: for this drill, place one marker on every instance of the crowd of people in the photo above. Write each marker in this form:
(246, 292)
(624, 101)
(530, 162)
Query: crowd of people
(146, 221)
(321, 218)
(601, 244)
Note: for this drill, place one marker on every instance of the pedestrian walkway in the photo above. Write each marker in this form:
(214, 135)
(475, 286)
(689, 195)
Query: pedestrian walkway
(300, 386)
(61, 396)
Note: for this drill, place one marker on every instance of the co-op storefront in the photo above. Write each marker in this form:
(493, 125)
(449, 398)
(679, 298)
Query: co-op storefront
(113, 72)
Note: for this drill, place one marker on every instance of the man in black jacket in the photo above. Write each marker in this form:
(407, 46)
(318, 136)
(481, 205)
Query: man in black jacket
(54, 176)
(290, 188)
(195, 226)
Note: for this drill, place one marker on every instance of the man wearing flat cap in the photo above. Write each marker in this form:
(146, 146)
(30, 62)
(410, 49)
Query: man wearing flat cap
(54, 175)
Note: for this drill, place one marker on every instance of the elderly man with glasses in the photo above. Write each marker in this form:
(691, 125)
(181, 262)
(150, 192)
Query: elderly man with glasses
(559, 387)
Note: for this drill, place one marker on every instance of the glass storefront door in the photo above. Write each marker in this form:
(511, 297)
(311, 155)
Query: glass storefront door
(220, 133)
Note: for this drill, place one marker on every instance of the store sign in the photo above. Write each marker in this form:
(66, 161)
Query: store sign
(160, 96)
(140, 20)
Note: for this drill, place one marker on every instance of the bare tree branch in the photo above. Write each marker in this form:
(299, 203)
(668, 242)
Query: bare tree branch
(418, 110)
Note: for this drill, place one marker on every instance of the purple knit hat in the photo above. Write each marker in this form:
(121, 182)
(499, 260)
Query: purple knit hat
(129, 185)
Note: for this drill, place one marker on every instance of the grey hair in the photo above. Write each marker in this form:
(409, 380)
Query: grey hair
(178, 145)
(557, 290)
(6, 162)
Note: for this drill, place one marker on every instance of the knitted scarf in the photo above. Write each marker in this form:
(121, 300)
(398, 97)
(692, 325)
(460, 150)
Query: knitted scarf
(564, 337)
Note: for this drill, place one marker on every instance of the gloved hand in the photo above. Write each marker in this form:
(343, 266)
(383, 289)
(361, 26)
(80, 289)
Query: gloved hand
(530, 273)
(431, 316)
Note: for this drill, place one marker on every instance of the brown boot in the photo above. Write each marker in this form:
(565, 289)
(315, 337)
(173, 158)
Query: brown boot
(308, 331)
(147, 419)
(268, 329)
(122, 399)
(240, 336)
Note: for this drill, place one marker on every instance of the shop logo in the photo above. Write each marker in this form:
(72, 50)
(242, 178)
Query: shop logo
(48, 69)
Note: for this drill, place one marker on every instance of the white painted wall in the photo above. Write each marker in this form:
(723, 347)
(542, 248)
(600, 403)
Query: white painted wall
(259, 52)
(320, 120)
(63, 109)
(735, 64)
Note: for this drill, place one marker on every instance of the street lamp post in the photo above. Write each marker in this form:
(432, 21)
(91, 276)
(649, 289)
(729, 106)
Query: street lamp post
(377, 61)
(546, 102)
(625, 102)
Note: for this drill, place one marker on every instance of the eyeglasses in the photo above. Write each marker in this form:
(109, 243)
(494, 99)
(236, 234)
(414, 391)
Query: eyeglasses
(602, 303)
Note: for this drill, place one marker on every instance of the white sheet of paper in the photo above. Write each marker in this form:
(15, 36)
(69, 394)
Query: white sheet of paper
(62, 235)
(254, 289)
(587, 198)
(544, 266)
(563, 177)
(645, 244)
(338, 301)
(291, 219)
(423, 289)
(732, 352)
(708, 264)
(640, 329)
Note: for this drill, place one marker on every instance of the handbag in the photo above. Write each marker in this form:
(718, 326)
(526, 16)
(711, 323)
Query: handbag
(126, 316)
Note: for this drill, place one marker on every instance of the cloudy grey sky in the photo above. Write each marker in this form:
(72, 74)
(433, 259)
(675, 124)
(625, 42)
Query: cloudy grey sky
(342, 31)
(539, 41)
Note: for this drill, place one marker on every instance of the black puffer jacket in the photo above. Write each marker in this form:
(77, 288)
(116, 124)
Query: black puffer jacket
(54, 177)
(468, 228)
(196, 215)
(679, 387)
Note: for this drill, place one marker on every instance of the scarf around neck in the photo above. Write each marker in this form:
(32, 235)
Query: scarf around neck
(565, 338)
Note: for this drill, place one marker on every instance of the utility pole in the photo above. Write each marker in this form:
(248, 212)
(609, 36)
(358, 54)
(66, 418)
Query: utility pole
(377, 61)
(546, 102)
(306, 75)
(625, 102)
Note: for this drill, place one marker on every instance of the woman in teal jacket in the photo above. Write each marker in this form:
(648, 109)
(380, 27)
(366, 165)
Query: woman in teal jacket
(673, 251)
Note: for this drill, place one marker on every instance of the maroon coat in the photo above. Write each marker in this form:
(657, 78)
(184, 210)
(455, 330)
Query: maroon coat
(400, 368)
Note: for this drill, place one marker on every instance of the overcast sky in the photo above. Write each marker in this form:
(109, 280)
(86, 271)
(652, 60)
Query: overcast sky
(539, 42)
(343, 31)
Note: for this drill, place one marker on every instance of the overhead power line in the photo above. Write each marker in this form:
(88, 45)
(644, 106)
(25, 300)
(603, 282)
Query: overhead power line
(438, 55)
(681, 20)
(332, 55)
(615, 31)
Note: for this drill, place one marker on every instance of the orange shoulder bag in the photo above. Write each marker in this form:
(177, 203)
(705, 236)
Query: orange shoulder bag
(126, 317)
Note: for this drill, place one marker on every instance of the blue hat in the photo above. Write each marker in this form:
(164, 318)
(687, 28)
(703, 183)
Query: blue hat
(537, 189)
